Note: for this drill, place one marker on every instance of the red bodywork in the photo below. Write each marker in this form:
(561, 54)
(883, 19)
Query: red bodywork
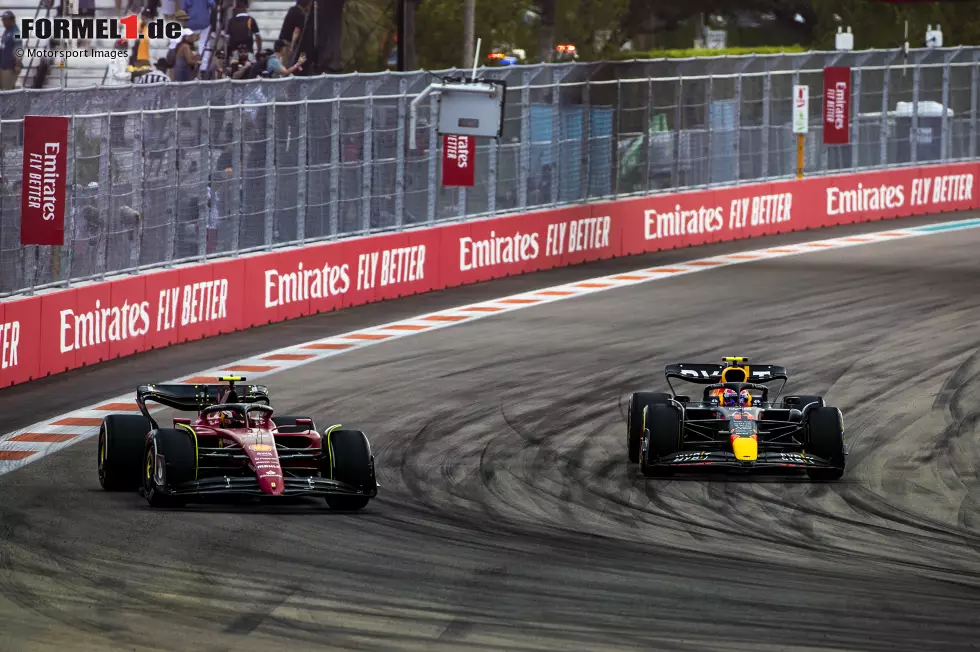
(243, 450)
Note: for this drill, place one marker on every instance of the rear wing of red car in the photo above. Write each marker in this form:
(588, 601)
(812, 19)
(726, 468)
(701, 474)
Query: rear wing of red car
(194, 398)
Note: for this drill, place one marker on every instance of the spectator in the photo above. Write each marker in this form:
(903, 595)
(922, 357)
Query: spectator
(199, 15)
(86, 8)
(186, 60)
(277, 62)
(141, 51)
(155, 76)
(10, 63)
(220, 67)
(297, 30)
(242, 30)
(130, 4)
(242, 66)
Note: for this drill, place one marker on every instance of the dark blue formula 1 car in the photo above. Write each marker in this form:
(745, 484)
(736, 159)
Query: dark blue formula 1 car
(734, 424)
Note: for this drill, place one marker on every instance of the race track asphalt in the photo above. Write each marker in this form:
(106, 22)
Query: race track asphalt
(509, 519)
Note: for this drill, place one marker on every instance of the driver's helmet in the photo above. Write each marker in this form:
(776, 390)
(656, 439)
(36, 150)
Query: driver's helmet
(729, 398)
(745, 398)
(230, 419)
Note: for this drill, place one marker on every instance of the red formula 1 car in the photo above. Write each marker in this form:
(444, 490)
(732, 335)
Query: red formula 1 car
(235, 446)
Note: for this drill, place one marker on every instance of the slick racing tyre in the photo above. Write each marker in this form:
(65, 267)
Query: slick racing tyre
(348, 459)
(663, 438)
(121, 441)
(179, 465)
(287, 425)
(634, 420)
(826, 440)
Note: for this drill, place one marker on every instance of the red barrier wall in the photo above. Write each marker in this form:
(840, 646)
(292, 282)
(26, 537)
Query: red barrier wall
(66, 329)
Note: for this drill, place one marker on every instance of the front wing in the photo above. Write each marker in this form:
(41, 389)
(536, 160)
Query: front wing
(766, 460)
(250, 487)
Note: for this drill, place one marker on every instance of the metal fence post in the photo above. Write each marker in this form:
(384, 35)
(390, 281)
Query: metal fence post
(708, 99)
(883, 128)
(616, 131)
(68, 249)
(494, 146)
(170, 241)
(138, 185)
(204, 169)
(974, 88)
(302, 170)
(556, 163)
(914, 135)
(105, 192)
(367, 178)
(944, 128)
(433, 154)
(585, 191)
(738, 128)
(270, 180)
(525, 166)
(335, 161)
(855, 122)
(675, 173)
(647, 120)
(400, 154)
(766, 119)
(461, 201)
(237, 168)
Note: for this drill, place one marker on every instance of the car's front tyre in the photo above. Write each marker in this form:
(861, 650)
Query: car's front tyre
(169, 459)
(662, 438)
(347, 458)
(635, 424)
(826, 440)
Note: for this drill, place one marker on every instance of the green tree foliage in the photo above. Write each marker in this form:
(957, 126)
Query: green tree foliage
(508, 24)
(878, 24)
(439, 30)
(369, 26)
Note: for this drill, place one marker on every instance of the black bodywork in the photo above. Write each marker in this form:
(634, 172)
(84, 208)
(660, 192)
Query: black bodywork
(709, 430)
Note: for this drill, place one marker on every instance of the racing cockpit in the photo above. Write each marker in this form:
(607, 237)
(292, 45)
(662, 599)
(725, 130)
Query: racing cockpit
(238, 415)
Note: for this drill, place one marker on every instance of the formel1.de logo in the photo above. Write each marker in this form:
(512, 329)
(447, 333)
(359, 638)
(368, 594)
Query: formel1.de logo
(96, 28)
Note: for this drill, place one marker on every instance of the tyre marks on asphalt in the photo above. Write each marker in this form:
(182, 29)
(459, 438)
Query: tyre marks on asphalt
(509, 520)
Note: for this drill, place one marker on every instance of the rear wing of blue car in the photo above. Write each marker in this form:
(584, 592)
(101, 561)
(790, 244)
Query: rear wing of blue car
(709, 374)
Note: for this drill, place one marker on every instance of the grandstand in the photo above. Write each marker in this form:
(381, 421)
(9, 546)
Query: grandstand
(79, 72)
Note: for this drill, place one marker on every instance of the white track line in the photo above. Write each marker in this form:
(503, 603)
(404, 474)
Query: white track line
(21, 447)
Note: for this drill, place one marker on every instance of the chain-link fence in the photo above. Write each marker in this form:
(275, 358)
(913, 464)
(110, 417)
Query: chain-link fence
(180, 172)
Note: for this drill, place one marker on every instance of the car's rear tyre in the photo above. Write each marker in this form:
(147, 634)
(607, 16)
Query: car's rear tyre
(634, 420)
(348, 459)
(176, 447)
(826, 440)
(121, 441)
(287, 425)
(664, 438)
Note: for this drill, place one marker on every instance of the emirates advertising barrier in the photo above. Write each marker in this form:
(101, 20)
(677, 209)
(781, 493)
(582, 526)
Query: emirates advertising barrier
(836, 106)
(45, 163)
(67, 329)
(458, 159)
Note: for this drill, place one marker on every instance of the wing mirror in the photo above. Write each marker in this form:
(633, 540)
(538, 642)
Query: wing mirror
(307, 423)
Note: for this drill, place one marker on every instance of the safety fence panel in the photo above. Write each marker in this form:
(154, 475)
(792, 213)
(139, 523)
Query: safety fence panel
(190, 172)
